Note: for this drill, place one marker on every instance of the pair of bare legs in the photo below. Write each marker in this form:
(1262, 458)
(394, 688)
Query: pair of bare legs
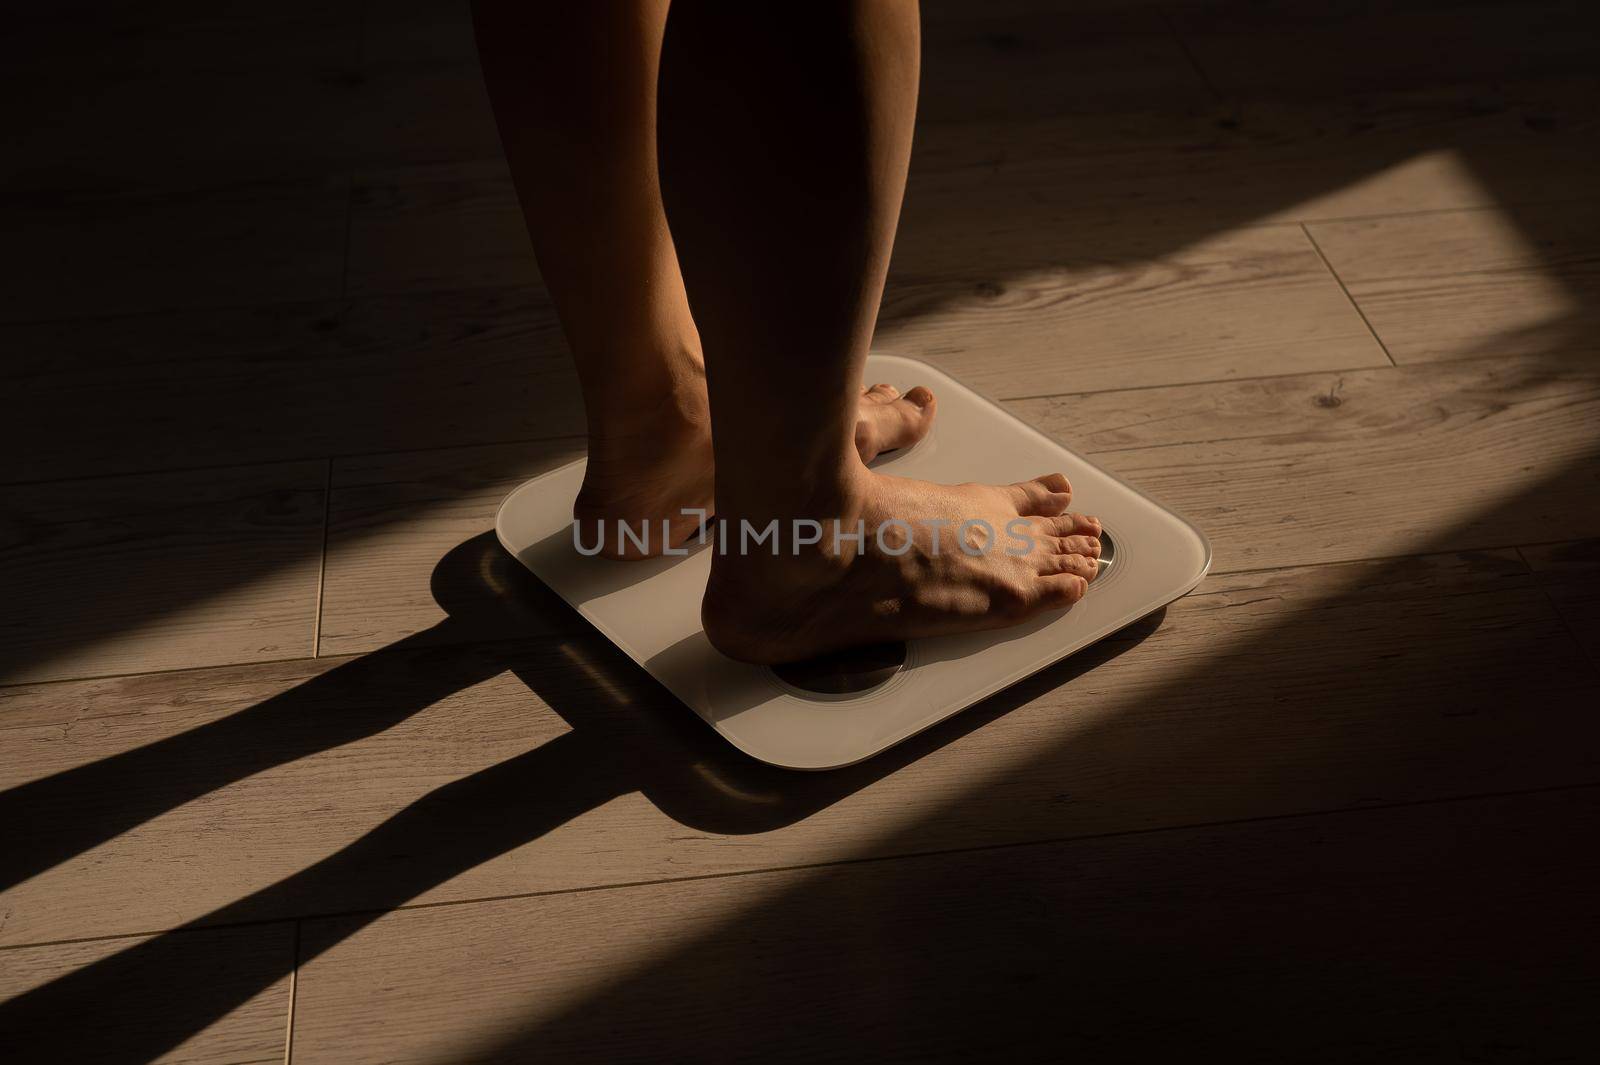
(779, 151)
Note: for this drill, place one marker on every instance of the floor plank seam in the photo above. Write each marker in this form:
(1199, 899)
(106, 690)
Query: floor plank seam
(322, 567)
(294, 987)
(1341, 811)
(246, 464)
(1194, 61)
(1561, 616)
(1346, 290)
(1220, 381)
(1422, 212)
(330, 660)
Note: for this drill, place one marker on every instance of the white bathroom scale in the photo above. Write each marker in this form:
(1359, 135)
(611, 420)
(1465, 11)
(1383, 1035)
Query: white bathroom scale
(844, 709)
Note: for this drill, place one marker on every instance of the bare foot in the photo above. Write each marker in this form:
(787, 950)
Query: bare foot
(651, 459)
(809, 600)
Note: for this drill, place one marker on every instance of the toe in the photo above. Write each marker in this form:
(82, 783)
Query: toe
(1072, 525)
(1059, 590)
(882, 393)
(1088, 546)
(1047, 495)
(1080, 565)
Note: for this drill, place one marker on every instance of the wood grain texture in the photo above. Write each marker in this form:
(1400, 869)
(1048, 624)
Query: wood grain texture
(248, 964)
(160, 571)
(1129, 307)
(1351, 938)
(421, 31)
(1462, 284)
(223, 124)
(286, 381)
(438, 773)
(439, 227)
(1081, 317)
(123, 38)
(1022, 63)
(392, 518)
(985, 196)
(1570, 576)
(110, 253)
(1324, 467)
(1210, 168)
(1288, 48)
(147, 392)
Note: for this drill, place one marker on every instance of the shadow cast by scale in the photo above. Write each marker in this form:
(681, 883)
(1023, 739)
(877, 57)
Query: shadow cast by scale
(627, 735)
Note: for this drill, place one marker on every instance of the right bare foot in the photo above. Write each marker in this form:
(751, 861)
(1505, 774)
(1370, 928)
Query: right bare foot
(809, 600)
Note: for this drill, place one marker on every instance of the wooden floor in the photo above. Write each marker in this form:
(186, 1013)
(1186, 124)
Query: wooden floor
(298, 767)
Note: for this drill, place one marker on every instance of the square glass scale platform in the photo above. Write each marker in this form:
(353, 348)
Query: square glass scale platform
(651, 609)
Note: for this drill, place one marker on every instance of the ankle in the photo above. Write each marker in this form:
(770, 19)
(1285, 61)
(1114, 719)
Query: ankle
(642, 376)
(792, 478)
(656, 410)
(764, 550)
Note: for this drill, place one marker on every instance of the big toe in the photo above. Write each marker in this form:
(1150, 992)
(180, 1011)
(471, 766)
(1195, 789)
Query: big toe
(1047, 496)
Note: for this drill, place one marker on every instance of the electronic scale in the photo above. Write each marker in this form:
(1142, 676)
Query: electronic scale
(842, 709)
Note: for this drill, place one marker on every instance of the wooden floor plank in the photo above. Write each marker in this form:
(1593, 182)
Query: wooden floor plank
(1325, 467)
(126, 38)
(160, 571)
(1131, 309)
(123, 1013)
(380, 584)
(419, 114)
(250, 388)
(985, 193)
(421, 31)
(1059, 216)
(1464, 284)
(1289, 48)
(544, 763)
(243, 245)
(229, 124)
(440, 227)
(1209, 169)
(1570, 576)
(216, 127)
(1052, 60)
(1376, 936)
(1252, 302)
(284, 382)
